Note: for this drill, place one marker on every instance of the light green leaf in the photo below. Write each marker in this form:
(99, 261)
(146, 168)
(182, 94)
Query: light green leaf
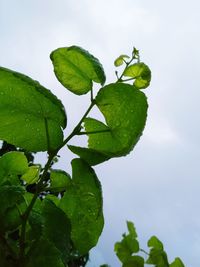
(120, 60)
(131, 229)
(60, 180)
(31, 117)
(12, 164)
(125, 112)
(141, 73)
(76, 69)
(44, 254)
(126, 248)
(155, 243)
(177, 263)
(32, 174)
(82, 203)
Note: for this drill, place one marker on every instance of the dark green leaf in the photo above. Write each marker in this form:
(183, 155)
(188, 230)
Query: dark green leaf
(75, 68)
(31, 117)
(82, 203)
(57, 227)
(36, 222)
(44, 254)
(60, 180)
(141, 73)
(91, 156)
(134, 261)
(177, 263)
(10, 196)
(5, 259)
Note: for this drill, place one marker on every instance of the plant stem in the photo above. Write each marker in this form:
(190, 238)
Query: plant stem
(40, 185)
(29, 208)
(77, 129)
(94, 132)
(127, 64)
(142, 250)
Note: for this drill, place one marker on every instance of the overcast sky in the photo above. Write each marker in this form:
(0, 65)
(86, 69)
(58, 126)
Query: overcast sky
(157, 186)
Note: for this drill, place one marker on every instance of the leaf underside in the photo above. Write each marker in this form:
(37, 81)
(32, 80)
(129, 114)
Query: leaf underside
(125, 110)
(77, 69)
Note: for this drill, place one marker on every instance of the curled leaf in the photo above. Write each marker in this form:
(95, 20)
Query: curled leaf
(141, 73)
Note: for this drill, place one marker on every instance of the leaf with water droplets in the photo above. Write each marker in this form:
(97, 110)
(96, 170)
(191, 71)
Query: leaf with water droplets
(82, 203)
(125, 111)
(31, 117)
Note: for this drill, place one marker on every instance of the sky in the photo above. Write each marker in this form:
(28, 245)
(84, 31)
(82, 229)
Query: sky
(156, 186)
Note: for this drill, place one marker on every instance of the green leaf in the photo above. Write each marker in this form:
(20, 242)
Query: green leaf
(157, 254)
(32, 174)
(126, 248)
(57, 227)
(91, 156)
(82, 203)
(12, 219)
(120, 60)
(177, 263)
(36, 222)
(76, 69)
(125, 112)
(44, 254)
(155, 243)
(131, 229)
(60, 180)
(54, 199)
(12, 164)
(141, 73)
(11, 196)
(31, 117)
(134, 261)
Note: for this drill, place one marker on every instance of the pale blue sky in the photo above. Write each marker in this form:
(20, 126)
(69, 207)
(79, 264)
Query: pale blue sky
(157, 186)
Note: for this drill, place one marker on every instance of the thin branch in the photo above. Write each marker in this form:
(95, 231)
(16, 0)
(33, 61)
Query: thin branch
(40, 184)
(93, 132)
